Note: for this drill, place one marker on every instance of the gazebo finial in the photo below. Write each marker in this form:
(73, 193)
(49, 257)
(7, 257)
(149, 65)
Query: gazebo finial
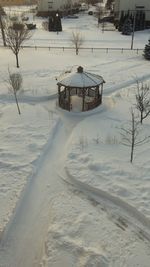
(80, 69)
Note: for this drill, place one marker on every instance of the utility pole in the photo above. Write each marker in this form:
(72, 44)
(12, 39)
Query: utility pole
(2, 27)
(103, 26)
(133, 29)
(56, 20)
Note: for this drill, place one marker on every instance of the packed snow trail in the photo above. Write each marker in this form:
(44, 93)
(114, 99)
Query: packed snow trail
(23, 241)
(113, 204)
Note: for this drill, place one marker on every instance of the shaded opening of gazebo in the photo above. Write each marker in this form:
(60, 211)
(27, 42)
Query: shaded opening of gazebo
(80, 91)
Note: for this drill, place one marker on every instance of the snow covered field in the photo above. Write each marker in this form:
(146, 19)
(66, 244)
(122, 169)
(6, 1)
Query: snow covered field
(97, 203)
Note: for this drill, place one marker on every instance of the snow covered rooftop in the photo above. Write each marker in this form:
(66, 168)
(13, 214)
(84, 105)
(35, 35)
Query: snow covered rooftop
(81, 79)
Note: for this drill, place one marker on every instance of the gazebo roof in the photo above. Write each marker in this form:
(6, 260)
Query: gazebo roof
(81, 79)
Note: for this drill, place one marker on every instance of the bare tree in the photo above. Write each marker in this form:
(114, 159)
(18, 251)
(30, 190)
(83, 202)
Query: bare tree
(15, 84)
(143, 100)
(77, 41)
(92, 2)
(67, 6)
(16, 34)
(131, 135)
(109, 4)
(45, 25)
(2, 26)
(99, 13)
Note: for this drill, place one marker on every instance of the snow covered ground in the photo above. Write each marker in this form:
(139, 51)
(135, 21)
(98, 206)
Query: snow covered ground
(23, 141)
(98, 204)
(97, 157)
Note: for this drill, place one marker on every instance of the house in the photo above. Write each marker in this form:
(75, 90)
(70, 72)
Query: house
(133, 7)
(47, 7)
(16, 2)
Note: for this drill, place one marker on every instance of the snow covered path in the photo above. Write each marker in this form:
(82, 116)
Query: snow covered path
(46, 195)
(115, 206)
(23, 240)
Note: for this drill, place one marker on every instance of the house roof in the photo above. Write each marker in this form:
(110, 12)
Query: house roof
(81, 79)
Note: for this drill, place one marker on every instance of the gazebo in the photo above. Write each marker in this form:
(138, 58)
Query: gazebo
(80, 87)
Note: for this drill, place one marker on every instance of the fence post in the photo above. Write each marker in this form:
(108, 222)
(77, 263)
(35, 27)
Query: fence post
(137, 51)
(49, 48)
(106, 50)
(122, 50)
(35, 47)
(63, 48)
(92, 49)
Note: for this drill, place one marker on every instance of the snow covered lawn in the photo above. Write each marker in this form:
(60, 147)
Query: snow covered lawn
(23, 142)
(82, 233)
(96, 156)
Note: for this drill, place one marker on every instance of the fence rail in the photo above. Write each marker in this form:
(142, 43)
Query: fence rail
(92, 49)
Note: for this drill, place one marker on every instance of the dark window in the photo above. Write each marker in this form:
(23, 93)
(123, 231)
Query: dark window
(140, 6)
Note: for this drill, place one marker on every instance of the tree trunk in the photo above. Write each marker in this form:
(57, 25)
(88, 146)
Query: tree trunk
(132, 150)
(19, 112)
(2, 30)
(17, 60)
(141, 118)
(83, 99)
(133, 137)
(77, 50)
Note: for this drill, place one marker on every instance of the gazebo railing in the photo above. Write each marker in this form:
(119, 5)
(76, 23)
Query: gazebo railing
(95, 103)
(63, 103)
(79, 92)
(91, 98)
(91, 92)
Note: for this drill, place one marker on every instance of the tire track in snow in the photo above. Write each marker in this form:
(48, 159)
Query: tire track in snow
(27, 99)
(115, 62)
(119, 210)
(117, 87)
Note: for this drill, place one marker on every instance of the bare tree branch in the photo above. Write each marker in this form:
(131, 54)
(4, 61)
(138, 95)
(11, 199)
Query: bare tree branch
(130, 135)
(77, 41)
(143, 100)
(14, 84)
(16, 33)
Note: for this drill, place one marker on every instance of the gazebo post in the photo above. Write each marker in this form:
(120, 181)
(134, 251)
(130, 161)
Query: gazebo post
(101, 91)
(69, 99)
(95, 92)
(83, 99)
(59, 94)
(98, 92)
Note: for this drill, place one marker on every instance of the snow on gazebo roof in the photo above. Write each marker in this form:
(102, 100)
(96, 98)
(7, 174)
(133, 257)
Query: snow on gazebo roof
(81, 79)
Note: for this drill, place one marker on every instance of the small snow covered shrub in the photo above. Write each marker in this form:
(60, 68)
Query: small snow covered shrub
(97, 139)
(15, 84)
(83, 142)
(111, 140)
(146, 51)
(45, 25)
(15, 81)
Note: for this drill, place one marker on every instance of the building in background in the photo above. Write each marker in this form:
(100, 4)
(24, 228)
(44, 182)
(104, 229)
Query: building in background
(134, 7)
(17, 2)
(47, 7)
